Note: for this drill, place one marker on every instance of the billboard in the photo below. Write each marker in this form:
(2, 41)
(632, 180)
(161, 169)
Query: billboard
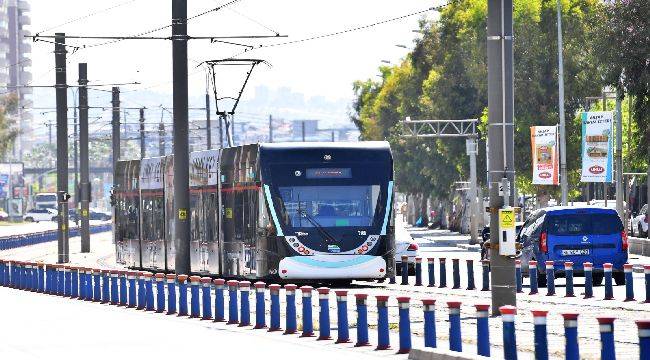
(543, 141)
(597, 152)
(11, 178)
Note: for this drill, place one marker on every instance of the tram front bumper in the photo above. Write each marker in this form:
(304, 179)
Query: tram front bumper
(332, 267)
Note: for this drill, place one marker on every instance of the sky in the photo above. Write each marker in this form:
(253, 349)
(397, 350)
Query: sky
(321, 68)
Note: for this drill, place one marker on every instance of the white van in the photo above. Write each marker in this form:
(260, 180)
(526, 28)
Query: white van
(45, 201)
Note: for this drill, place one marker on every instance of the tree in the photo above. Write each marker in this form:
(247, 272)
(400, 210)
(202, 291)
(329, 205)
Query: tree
(8, 130)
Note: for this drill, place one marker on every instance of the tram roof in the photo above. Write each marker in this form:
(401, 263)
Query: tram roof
(351, 145)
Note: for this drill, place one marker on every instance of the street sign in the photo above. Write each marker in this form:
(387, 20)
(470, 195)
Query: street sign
(507, 219)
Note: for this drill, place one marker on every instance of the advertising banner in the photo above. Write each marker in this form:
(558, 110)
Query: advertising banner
(543, 140)
(597, 152)
(11, 178)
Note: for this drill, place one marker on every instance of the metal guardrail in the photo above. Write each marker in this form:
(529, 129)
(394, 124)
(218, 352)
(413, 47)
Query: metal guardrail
(20, 240)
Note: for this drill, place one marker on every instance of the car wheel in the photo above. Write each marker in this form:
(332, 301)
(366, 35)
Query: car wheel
(619, 278)
(541, 280)
(597, 279)
(29, 219)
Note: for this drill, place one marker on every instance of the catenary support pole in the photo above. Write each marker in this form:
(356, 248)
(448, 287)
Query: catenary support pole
(180, 135)
(208, 124)
(501, 138)
(115, 139)
(61, 146)
(84, 185)
(619, 157)
(143, 146)
(161, 139)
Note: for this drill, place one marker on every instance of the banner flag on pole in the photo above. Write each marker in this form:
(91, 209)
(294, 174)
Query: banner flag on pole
(543, 140)
(597, 146)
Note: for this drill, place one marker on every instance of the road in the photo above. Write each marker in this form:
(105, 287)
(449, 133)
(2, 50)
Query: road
(438, 243)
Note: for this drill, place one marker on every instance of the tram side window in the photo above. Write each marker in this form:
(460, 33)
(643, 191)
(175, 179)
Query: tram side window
(238, 214)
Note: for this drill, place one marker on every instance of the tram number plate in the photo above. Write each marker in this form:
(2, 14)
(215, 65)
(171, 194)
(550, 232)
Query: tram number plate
(575, 252)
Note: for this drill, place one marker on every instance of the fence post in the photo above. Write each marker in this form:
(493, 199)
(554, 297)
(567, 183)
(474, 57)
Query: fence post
(455, 337)
(508, 313)
(644, 338)
(206, 283)
(160, 292)
(106, 287)
(260, 306)
(470, 275)
(405, 270)
(482, 329)
(219, 302)
(97, 290)
(404, 325)
(323, 313)
(455, 264)
(171, 293)
(232, 302)
(541, 338)
(362, 320)
(532, 275)
(518, 277)
(589, 291)
(343, 327)
(383, 338)
(290, 311)
(629, 282)
(431, 271)
(443, 272)
(485, 264)
(571, 349)
(606, 326)
(244, 289)
(550, 278)
(429, 309)
(418, 271)
(274, 291)
(307, 321)
(568, 274)
(609, 287)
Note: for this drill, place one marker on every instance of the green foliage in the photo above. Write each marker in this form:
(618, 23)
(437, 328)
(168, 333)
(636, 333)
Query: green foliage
(8, 130)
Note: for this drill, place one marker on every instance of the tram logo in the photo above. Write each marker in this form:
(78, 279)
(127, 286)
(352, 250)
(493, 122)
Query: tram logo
(333, 248)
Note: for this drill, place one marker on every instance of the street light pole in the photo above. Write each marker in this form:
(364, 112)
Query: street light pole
(61, 147)
(560, 74)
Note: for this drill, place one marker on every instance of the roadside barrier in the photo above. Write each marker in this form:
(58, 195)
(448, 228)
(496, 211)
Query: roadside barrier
(195, 282)
(470, 275)
(404, 325)
(482, 329)
(418, 271)
(443, 272)
(405, 270)
(644, 338)
(455, 337)
(646, 272)
(60, 280)
(182, 294)
(541, 337)
(160, 292)
(106, 275)
(20, 240)
(290, 310)
(171, 293)
(219, 301)
(518, 276)
(431, 271)
(274, 291)
(455, 265)
(122, 277)
(114, 290)
(260, 306)
(245, 313)
(307, 320)
(429, 309)
(97, 288)
(588, 269)
(148, 285)
(131, 275)
(568, 274)
(609, 288)
(206, 283)
(323, 314)
(362, 320)
(509, 337)
(232, 302)
(629, 282)
(383, 337)
(142, 299)
(485, 264)
(89, 282)
(606, 326)
(342, 325)
(532, 275)
(571, 349)
(550, 278)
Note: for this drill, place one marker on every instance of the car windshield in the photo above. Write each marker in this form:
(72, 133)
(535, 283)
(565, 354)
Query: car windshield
(329, 206)
(44, 198)
(579, 224)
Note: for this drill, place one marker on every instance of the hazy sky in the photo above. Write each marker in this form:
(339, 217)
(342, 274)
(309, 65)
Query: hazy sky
(325, 67)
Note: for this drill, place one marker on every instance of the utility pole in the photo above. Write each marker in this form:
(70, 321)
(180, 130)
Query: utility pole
(605, 185)
(180, 135)
(143, 150)
(61, 147)
(501, 137)
(619, 156)
(208, 124)
(471, 145)
(161, 139)
(270, 128)
(115, 125)
(75, 159)
(84, 186)
(560, 74)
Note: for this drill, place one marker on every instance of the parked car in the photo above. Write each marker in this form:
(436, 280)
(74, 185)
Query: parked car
(639, 222)
(408, 248)
(36, 215)
(3, 215)
(577, 234)
(45, 201)
(100, 215)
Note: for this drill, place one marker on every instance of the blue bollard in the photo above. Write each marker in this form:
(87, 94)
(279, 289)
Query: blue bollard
(405, 270)
(362, 320)
(508, 313)
(2, 272)
(219, 302)
(171, 293)
(383, 337)
(571, 349)
(41, 279)
(195, 283)
(485, 264)
(323, 313)
(629, 282)
(609, 287)
(206, 286)
(182, 295)
(455, 274)
(455, 337)
(470, 275)
(518, 276)
(81, 283)
(532, 276)
(568, 274)
(646, 272)
(404, 325)
(245, 308)
(48, 277)
(114, 292)
(540, 334)
(260, 306)
(606, 326)
(429, 308)
(132, 289)
(443, 272)
(290, 311)
(89, 284)
(550, 278)
(122, 277)
(482, 329)
(106, 274)
(307, 321)
(644, 338)
(342, 324)
(232, 302)
(60, 281)
(28, 276)
(431, 271)
(160, 292)
(97, 289)
(274, 290)
(148, 285)
(418, 271)
(588, 269)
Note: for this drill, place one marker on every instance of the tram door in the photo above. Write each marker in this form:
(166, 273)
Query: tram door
(203, 185)
(152, 213)
(168, 179)
(132, 202)
(119, 194)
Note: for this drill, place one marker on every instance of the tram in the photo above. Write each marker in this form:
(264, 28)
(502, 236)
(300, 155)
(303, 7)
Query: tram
(303, 211)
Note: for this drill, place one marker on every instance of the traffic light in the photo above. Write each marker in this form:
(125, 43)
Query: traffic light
(63, 196)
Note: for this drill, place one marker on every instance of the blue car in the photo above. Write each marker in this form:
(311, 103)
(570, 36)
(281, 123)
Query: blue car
(576, 234)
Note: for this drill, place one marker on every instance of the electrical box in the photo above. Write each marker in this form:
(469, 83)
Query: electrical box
(507, 232)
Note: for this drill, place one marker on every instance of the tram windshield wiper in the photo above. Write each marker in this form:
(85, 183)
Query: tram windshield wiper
(324, 233)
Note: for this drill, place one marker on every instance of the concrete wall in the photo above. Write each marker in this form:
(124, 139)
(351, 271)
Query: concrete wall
(639, 246)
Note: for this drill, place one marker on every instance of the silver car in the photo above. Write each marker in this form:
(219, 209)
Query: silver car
(639, 223)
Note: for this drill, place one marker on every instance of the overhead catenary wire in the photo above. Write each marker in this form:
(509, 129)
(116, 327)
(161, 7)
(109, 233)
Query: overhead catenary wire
(88, 15)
